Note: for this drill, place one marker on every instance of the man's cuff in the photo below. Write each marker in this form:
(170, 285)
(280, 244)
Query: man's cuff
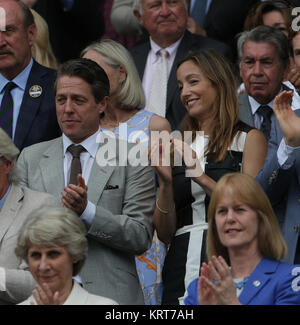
(88, 214)
(286, 155)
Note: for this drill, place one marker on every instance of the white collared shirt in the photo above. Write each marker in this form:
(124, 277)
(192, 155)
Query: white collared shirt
(150, 66)
(87, 159)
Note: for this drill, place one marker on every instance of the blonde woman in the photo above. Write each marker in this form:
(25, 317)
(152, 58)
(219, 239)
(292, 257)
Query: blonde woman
(244, 248)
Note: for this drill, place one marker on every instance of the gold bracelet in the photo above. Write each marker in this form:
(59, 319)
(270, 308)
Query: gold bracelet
(161, 210)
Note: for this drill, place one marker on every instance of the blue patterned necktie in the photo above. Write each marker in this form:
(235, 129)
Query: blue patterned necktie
(6, 109)
(265, 111)
(199, 11)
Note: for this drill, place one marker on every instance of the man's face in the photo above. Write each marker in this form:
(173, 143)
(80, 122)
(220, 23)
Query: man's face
(76, 109)
(261, 71)
(15, 40)
(165, 20)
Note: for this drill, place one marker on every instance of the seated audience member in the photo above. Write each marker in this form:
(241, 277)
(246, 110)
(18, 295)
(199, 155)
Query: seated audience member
(294, 73)
(244, 248)
(280, 174)
(126, 118)
(54, 245)
(114, 198)
(264, 62)
(156, 58)
(16, 205)
(41, 49)
(27, 110)
(208, 91)
(276, 14)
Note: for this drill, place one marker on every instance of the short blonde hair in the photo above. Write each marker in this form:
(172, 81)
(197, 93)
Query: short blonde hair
(54, 227)
(131, 94)
(247, 190)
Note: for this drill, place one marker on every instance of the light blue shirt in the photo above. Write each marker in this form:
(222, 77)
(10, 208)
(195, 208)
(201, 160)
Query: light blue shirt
(2, 201)
(17, 93)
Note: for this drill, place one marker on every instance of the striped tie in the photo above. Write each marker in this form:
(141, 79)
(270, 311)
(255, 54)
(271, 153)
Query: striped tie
(6, 109)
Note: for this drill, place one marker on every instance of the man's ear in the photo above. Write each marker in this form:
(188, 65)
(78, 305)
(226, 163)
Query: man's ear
(31, 34)
(137, 15)
(103, 104)
(287, 69)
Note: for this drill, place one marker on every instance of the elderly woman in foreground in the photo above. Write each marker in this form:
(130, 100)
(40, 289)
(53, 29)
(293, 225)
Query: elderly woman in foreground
(245, 248)
(53, 243)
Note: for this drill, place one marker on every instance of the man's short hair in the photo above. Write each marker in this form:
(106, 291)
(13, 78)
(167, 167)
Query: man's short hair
(90, 72)
(266, 34)
(28, 18)
(8, 150)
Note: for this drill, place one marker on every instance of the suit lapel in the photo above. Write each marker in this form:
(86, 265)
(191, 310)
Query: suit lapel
(29, 106)
(245, 109)
(10, 209)
(100, 175)
(52, 160)
(141, 58)
(258, 279)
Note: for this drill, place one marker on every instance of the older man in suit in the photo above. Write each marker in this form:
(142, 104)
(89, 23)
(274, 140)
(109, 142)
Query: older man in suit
(16, 204)
(166, 23)
(118, 202)
(264, 62)
(27, 110)
(280, 176)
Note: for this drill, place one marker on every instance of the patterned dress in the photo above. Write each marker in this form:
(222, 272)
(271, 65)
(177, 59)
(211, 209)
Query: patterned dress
(149, 265)
(187, 249)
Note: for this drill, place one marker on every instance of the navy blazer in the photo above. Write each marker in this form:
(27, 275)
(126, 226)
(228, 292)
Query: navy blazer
(271, 283)
(175, 111)
(37, 120)
(283, 188)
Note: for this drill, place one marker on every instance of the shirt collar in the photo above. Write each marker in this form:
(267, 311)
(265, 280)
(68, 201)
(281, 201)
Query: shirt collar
(170, 49)
(90, 144)
(255, 105)
(20, 80)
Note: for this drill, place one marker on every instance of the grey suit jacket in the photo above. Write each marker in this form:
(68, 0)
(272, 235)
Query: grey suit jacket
(19, 204)
(122, 227)
(283, 189)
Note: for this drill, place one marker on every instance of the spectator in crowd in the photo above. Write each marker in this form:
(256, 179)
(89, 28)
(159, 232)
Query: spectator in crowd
(280, 174)
(169, 41)
(294, 73)
(208, 91)
(54, 245)
(276, 14)
(16, 204)
(73, 24)
(41, 49)
(126, 118)
(244, 248)
(27, 109)
(118, 201)
(264, 62)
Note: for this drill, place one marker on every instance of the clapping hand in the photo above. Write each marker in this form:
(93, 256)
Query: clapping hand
(288, 121)
(44, 296)
(74, 197)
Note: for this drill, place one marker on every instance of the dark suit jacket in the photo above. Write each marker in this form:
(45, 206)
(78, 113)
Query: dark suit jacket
(175, 110)
(37, 120)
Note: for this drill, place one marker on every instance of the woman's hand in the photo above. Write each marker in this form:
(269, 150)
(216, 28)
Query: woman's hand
(222, 286)
(205, 294)
(44, 296)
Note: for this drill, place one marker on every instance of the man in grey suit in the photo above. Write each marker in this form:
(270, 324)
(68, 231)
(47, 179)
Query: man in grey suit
(264, 61)
(16, 204)
(280, 176)
(118, 202)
